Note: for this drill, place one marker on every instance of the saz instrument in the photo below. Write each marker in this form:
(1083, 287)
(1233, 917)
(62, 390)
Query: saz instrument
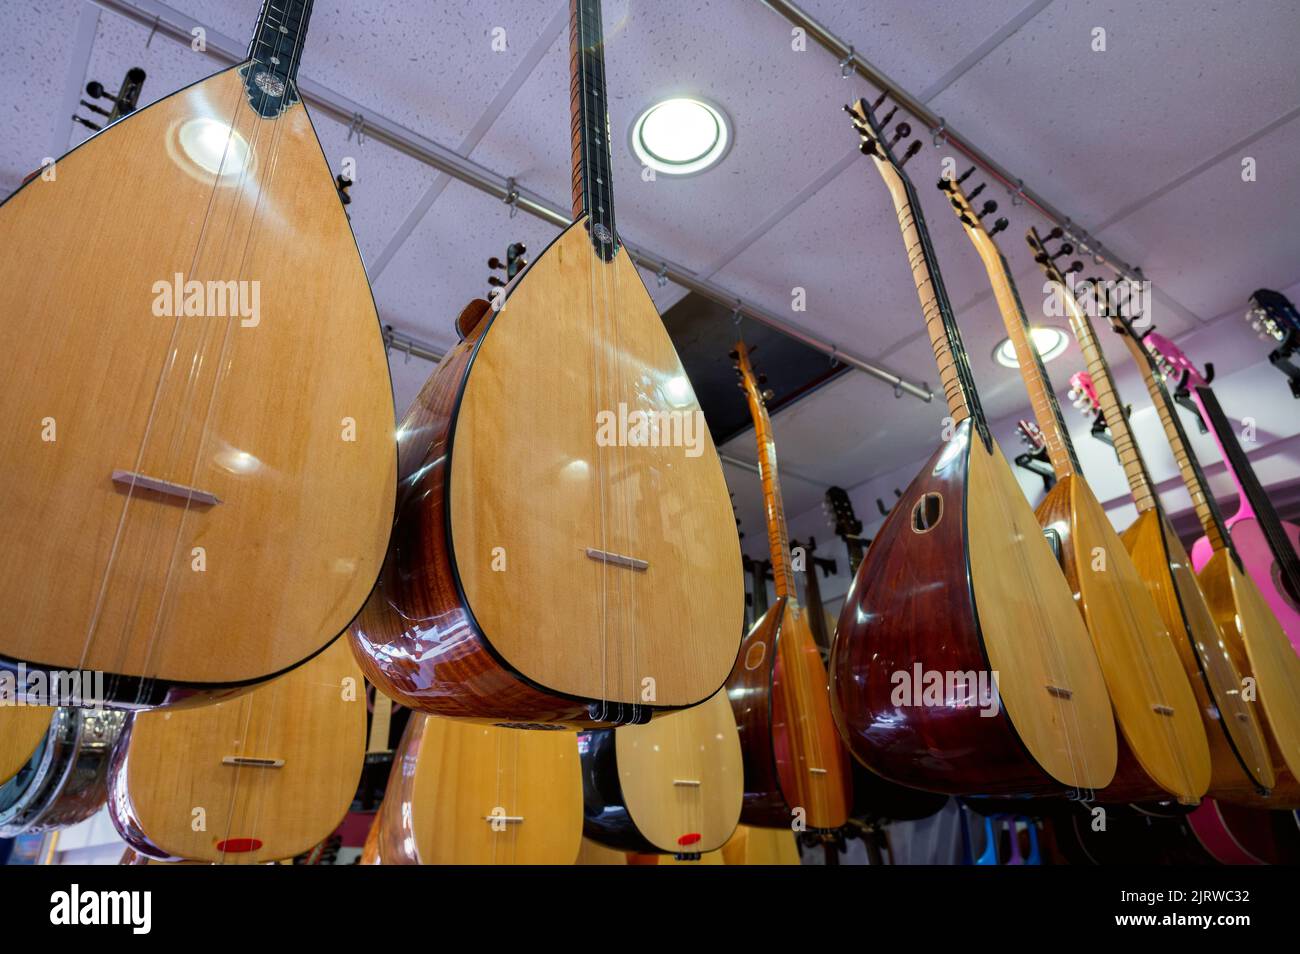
(23, 729)
(847, 526)
(64, 780)
(1164, 750)
(1239, 757)
(198, 491)
(674, 786)
(462, 793)
(564, 550)
(960, 583)
(795, 765)
(261, 777)
(761, 846)
(1269, 547)
(1248, 629)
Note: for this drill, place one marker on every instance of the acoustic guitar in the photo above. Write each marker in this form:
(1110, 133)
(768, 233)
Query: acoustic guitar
(960, 582)
(462, 793)
(1269, 546)
(1248, 629)
(564, 552)
(1163, 750)
(260, 777)
(674, 786)
(23, 729)
(197, 491)
(1239, 756)
(796, 770)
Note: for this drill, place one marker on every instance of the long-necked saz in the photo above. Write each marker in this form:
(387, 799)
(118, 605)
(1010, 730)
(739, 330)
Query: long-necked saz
(272, 770)
(199, 480)
(1269, 546)
(794, 761)
(564, 550)
(961, 586)
(1163, 750)
(1240, 760)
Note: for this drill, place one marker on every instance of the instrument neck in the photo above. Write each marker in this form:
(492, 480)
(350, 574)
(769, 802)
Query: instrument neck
(593, 194)
(949, 352)
(778, 538)
(381, 720)
(278, 38)
(1047, 410)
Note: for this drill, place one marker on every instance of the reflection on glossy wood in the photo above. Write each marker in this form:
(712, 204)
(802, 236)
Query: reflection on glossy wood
(21, 730)
(260, 777)
(761, 846)
(285, 416)
(594, 853)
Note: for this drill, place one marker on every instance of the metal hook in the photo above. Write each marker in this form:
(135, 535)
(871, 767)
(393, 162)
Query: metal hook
(512, 196)
(1018, 196)
(940, 132)
(357, 126)
(846, 64)
(156, 21)
(661, 276)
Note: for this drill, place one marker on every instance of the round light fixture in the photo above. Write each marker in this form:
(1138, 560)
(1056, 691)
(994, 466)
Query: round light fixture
(1049, 342)
(681, 136)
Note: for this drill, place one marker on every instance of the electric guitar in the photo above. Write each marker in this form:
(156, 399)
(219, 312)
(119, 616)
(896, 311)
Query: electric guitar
(960, 579)
(847, 526)
(199, 494)
(1268, 546)
(564, 551)
(796, 768)
(1239, 758)
(1163, 750)
(1275, 319)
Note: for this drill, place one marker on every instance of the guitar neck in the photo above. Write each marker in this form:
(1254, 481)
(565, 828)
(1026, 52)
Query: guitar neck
(278, 39)
(593, 194)
(949, 353)
(778, 538)
(381, 720)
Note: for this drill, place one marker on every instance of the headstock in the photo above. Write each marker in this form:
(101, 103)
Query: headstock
(963, 203)
(1046, 252)
(877, 139)
(1273, 316)
(1031, 434)
(512, 266)
(1083, 394)
(750, 381)
(839, 509)
(1174, 364)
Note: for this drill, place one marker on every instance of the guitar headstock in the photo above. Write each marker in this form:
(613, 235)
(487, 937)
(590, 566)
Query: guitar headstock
(1031, 434)
(512, 266)
(840, 511)
(750, 381)
(1083, 394)
(1174, 364)
(1045, 255)
(872, 129)
(1273, 316)
(963, 203)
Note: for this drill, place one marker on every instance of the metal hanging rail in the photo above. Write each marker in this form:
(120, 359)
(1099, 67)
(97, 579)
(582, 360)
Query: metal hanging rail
(939, 127)
(164, 21)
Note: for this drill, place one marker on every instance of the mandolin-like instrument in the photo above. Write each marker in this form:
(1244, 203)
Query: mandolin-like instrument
(796, 769)
(1269, 546)
(565, 550)
(462, 793)
(259, 777)
(960, 590)
(199, 467)
(671, 787)
(1163, 750)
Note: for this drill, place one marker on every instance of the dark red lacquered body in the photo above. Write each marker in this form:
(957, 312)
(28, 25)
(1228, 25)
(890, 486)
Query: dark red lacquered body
(751, 689)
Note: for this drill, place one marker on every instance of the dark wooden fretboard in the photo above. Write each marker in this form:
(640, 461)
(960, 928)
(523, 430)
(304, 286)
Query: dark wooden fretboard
(271, 78)
(593, 193)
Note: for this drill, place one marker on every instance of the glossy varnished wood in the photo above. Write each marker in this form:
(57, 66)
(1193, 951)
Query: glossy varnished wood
(449, 777)
(288, 422)
(752, 845)
(173, 792)
(21, 729)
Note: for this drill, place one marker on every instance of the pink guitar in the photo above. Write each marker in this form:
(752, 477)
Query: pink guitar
(1269, 547)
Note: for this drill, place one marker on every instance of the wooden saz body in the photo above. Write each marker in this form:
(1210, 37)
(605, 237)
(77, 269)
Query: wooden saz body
(674, 786)
(960, 579)
(22, 728)
(198, 479)
(272, 771)
(462, 793)
(1260, 562)
(495, 602)
(752, 845)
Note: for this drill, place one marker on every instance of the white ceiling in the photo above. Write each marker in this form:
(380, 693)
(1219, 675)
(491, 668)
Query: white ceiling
(1142, 144)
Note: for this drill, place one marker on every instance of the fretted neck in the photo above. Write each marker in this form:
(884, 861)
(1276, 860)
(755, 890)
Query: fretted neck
(1112, 408)
(1047, 410)
(949, 353)
(1207, 508)
(778, 538)
(593, 193)
(278, 38)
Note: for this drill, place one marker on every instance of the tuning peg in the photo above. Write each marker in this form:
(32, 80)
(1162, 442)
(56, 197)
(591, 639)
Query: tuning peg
(1056, 233)
(912, 150)
(885, 120)
(900, 131)
(733, 354)
(1075, 266)
(975, 192)
(998, 226)
(762, 378)
(879, 99)
(988, 208)
(965, 175)
(495, 262)
(1065, 249)
(768, 395)
(496, 282)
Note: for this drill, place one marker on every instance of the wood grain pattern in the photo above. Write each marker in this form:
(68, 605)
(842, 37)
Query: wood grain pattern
(751, 845)
(23, 728)
(1155, 709)
(287, 421)
(172, 771)
(968, 596)
(674, 785)
(449, 777)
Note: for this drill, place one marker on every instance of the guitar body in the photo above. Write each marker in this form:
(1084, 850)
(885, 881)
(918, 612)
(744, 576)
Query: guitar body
(1259, 648)
(284, 416)
(450, 778)
(500, 461)
(674, 786)
(1261, 565)
(960, 579)
(1246, 836)
(1164, 749)
(792, 755)
(274, 770)
(24, 729)
(1240, 761)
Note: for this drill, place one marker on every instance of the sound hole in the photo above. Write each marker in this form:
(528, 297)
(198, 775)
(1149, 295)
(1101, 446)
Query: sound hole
(927, 513)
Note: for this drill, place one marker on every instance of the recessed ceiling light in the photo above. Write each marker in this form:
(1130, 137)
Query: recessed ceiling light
(681, 136)
(1049, 342)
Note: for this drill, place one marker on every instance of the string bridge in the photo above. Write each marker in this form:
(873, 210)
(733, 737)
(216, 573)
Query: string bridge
(248, 761)
(132, 480)
(1060, 692)
(617, 559)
